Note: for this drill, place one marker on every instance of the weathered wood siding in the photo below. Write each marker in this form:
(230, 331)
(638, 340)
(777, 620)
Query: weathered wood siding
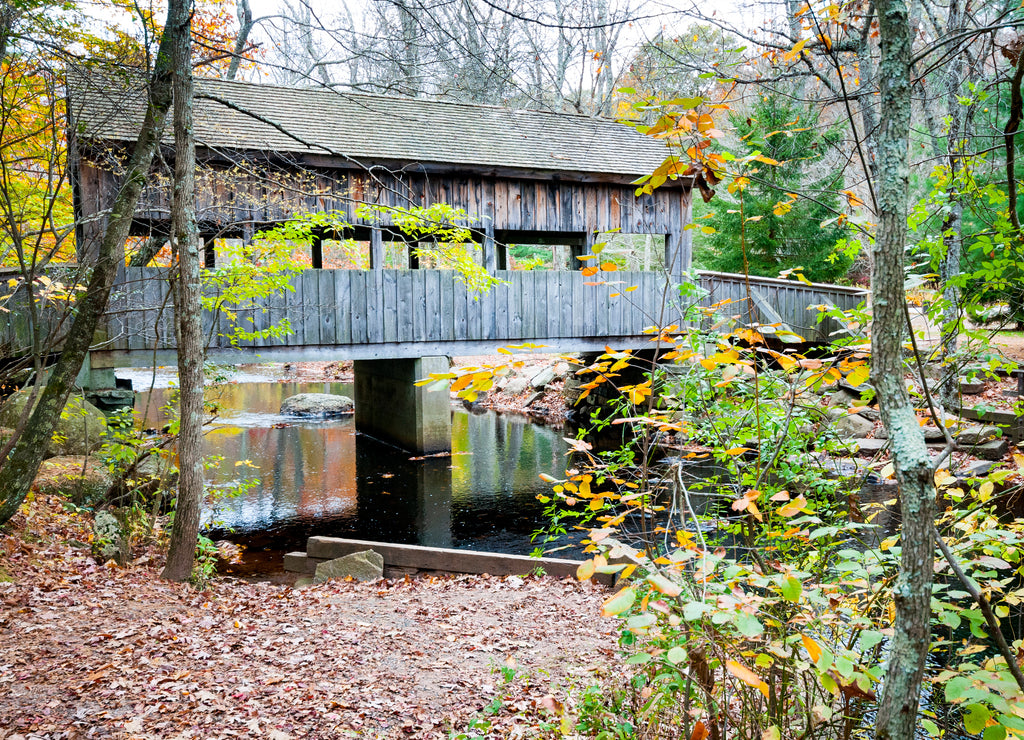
(235, 199)
(403, 311)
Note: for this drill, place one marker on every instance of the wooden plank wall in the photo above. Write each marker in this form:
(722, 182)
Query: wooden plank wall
(230, 198)
(335, 308)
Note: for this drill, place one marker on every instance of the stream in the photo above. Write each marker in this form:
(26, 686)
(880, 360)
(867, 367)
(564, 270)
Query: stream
(316, 477)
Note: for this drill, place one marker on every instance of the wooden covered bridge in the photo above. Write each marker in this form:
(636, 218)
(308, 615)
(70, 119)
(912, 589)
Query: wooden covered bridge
(266, 153)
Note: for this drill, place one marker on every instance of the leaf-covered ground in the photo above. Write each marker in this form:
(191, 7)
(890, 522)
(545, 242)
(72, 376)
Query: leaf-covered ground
(95, 651)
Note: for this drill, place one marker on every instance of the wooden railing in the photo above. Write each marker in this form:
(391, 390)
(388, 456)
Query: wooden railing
(405, 312)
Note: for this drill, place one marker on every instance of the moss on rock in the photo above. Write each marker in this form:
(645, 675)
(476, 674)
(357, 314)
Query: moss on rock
(80, 430)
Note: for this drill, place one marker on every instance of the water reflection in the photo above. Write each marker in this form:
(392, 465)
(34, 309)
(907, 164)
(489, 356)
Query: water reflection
(321, 478)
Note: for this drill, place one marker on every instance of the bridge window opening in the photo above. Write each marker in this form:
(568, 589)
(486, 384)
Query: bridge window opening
(633, 252)
(539, 257)
(345, 254)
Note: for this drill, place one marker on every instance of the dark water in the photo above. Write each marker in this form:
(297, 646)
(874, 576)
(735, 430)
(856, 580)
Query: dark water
(322, 478)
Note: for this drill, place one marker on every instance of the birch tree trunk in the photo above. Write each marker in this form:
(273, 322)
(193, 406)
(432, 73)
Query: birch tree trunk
(897, 710)
(188, 316)
(21, 466)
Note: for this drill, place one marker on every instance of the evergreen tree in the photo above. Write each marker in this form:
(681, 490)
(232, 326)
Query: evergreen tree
(781, 232)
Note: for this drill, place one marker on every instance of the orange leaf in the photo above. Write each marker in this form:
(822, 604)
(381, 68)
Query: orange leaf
(747, 676)
(812, 647)
(700, 731)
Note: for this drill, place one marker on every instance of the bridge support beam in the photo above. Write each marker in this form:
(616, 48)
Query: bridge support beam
(390, 407)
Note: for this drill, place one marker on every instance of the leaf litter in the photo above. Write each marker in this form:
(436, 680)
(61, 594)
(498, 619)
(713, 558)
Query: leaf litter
(90, 650)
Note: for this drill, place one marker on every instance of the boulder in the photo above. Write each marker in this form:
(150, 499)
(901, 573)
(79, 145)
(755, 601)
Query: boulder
(361, 566)
(516, 385)
(317, 405)
(80, 430)
(977, 434)
(85, 480)
(542, 378)
(108, 543)
(561, 369)
(853, 426)
(994, 450)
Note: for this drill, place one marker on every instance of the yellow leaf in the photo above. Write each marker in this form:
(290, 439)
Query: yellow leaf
(747, 676)
(793, 507)
(858, 375)
(737, 450)
(585, 570)
(793, 53)
(663, 585)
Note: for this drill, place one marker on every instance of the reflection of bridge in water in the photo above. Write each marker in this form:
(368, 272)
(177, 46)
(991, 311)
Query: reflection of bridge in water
(326, 479)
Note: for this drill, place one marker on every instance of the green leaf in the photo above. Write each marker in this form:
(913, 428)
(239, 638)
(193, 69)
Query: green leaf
(930, 727)
(995, 732)
(955, 687)
(869, 638)
(638, 659)
(694, 610)
(619, 603)
(748, 625)
(975, 717)
(675, 655)
(791, 589)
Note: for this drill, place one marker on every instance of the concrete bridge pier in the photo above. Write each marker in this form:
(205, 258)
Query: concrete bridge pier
(390, 407)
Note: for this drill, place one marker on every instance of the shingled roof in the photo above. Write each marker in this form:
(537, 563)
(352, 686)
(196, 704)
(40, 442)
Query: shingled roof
(367, 128)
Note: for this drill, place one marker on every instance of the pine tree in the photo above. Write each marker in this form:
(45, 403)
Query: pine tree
(778, 237)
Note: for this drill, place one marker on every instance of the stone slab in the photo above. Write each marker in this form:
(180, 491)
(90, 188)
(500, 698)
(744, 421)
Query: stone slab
(440, 559)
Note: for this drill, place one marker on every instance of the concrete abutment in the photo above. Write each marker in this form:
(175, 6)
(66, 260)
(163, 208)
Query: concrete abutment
(392, 408)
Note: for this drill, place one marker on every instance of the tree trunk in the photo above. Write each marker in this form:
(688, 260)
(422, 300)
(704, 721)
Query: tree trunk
(897, 711)
(244, 29)
(20, 468)
(953, 239)
(188, 316)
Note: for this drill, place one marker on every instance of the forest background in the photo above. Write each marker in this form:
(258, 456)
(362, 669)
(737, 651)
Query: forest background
(867, 135)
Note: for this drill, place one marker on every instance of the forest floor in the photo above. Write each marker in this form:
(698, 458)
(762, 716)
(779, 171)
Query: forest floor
(89, 650)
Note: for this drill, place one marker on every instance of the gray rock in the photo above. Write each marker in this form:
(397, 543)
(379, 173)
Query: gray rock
(989, 450)
(110, 400)
(80, 430)
(971, 387)
(533, 399)
(109, 542)
(516, 385)
(317, 405)
(85, 480)
(362, 566)
(931, 434)
(843, 399)
(977, 434)
(542, 378)
(561, 369)
(853, 426)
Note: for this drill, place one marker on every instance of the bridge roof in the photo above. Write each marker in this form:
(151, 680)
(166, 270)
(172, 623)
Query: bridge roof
(359, 128)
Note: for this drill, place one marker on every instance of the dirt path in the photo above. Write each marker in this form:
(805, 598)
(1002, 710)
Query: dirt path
(94, 651)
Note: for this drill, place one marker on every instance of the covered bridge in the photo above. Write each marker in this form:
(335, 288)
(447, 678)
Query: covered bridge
(266, 153)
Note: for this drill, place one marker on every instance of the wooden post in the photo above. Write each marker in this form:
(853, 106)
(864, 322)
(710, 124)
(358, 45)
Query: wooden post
(318, 251)
(376, 249)
(209, 252)
(679, 244)
(490, 253)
